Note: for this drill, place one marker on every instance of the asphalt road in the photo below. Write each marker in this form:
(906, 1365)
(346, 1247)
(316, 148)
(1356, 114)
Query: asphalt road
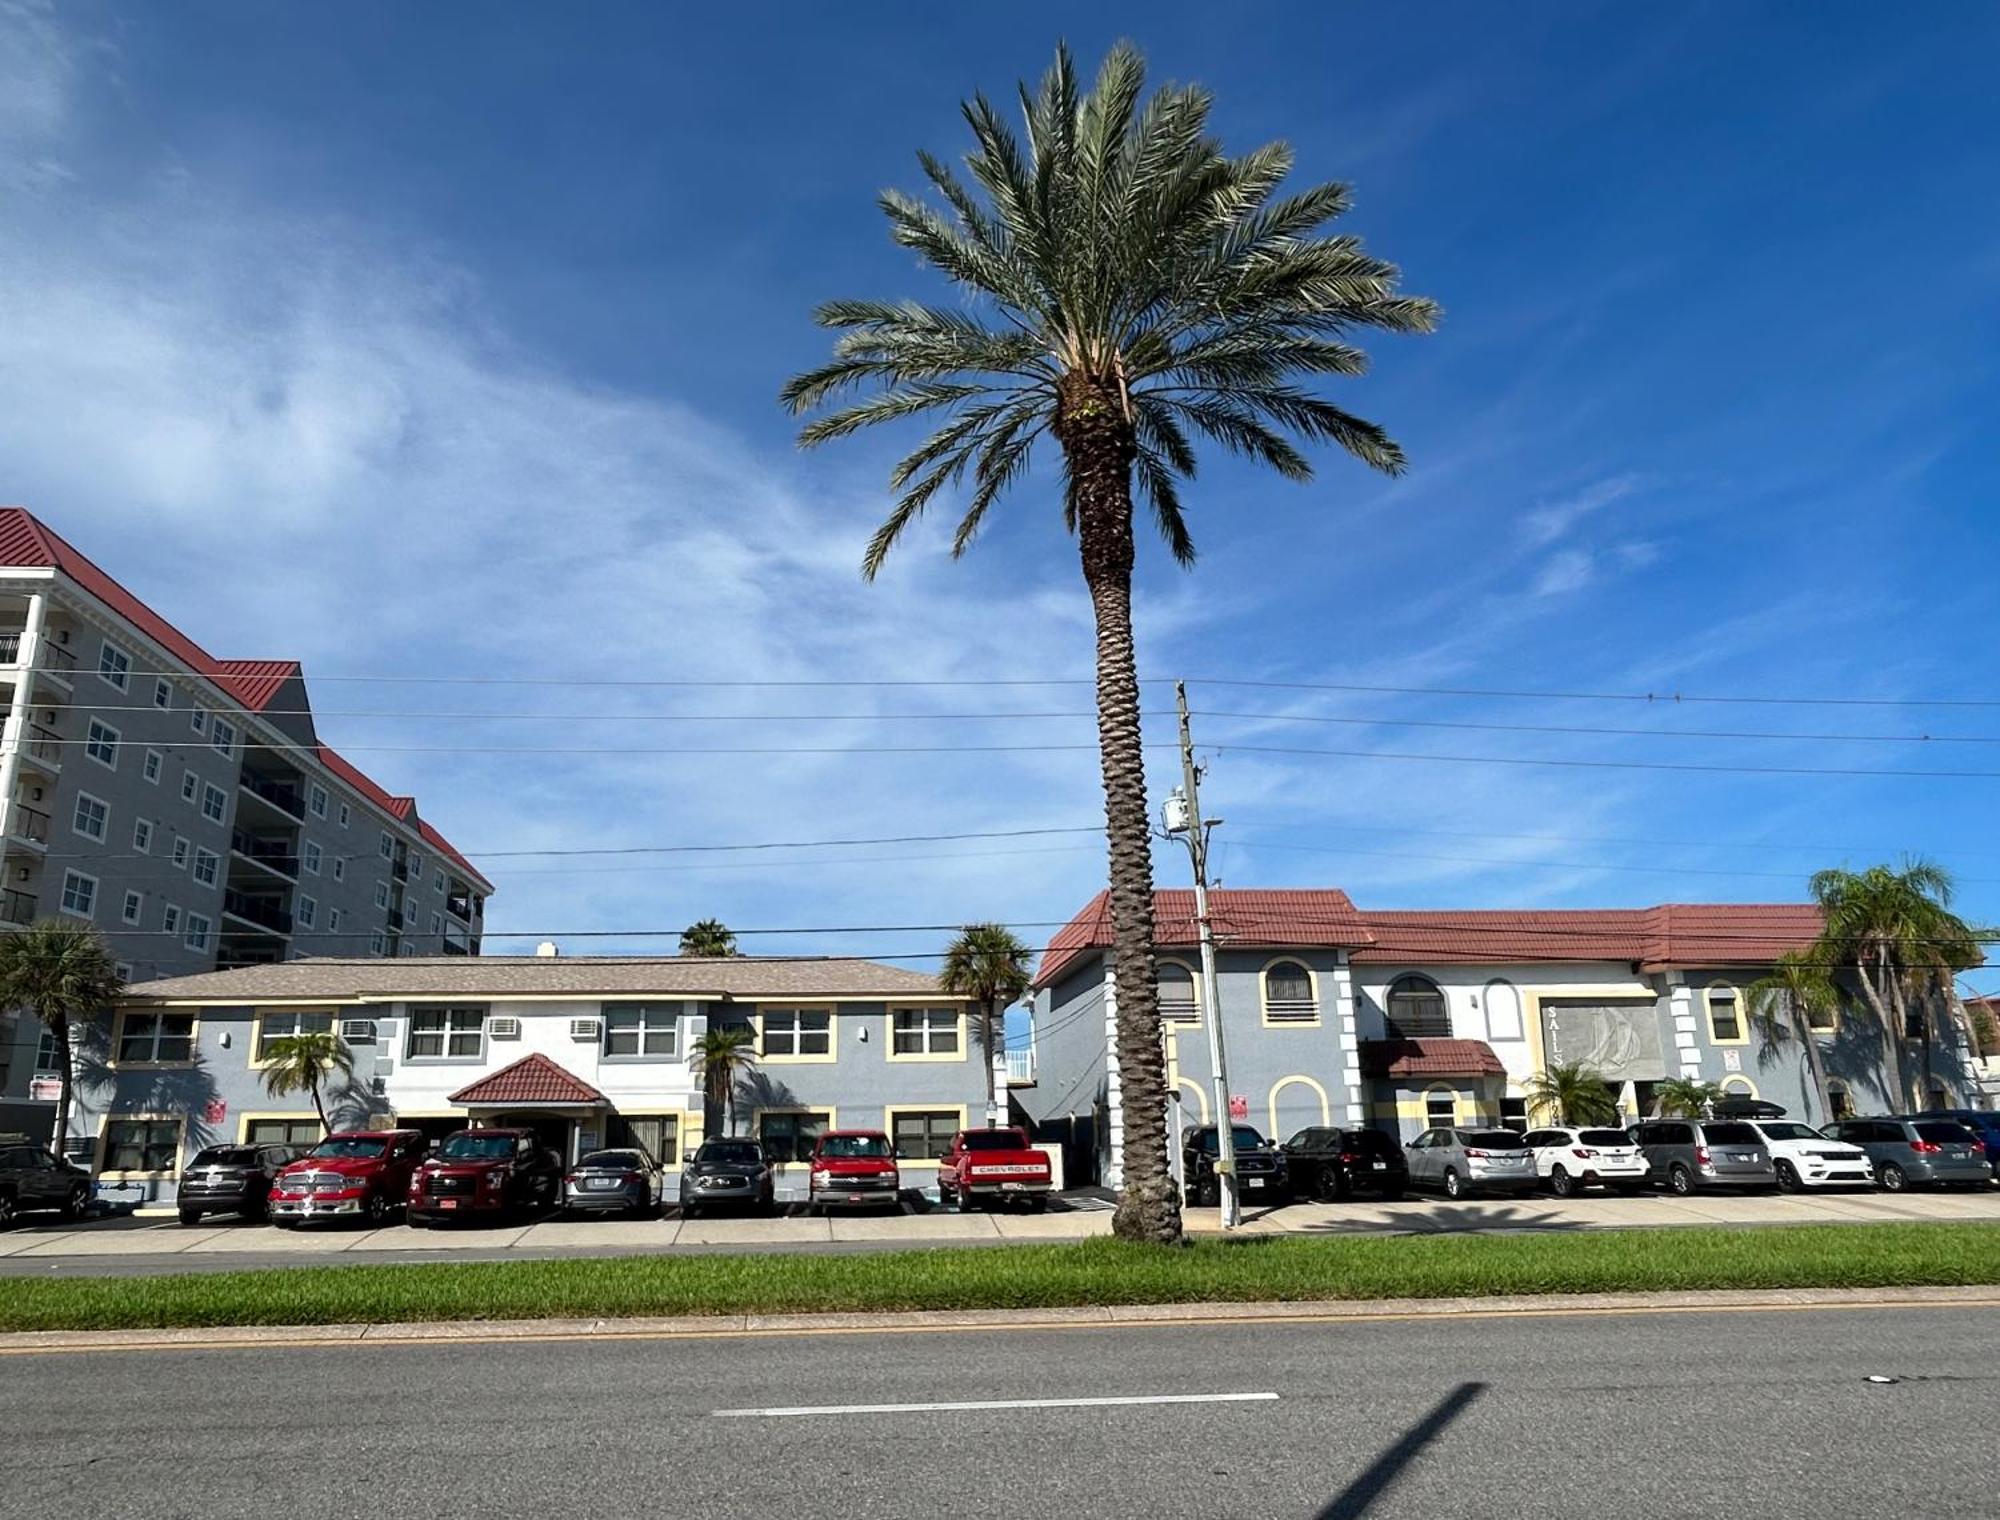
(1643, 1415)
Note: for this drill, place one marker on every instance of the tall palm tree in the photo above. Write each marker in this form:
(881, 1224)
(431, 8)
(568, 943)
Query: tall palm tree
(306, 1063)
(987, 966)
(1574, 1093)
(63, 974)
(1897, 930)
(1121, 286)
(1798, 985)
(709, 938)
(722, 1057)
(1686, 1097)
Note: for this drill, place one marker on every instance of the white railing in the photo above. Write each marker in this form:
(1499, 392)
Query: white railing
(1021, 1068)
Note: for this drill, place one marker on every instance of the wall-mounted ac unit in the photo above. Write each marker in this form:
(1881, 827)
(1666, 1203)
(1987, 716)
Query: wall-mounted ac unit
(583, 1029)
(358, 1031)
(378, 1087)
(504, 1028)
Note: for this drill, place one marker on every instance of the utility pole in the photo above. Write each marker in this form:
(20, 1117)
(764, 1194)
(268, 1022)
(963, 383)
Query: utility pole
(1184, 818)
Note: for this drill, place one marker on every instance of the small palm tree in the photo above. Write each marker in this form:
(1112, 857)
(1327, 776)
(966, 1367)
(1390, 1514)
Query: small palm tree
(722, 1057)
(708, 938)
(1686, 1097)
(63, 974)
(306, 1063)
(1121, 287)
(1798, 986)
(988, 967)
(1574, 1093)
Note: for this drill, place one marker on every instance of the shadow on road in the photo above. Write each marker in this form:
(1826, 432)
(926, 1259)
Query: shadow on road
(1374, 1480)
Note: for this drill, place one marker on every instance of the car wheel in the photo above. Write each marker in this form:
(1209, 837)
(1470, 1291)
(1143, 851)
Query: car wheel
(1211, 1194)
(1894, 1178)
(1788, 1178)
(1561, 1183)
(77, 1204)
(1680, 1179)
(190, 1216)
(375, 1210)
(963, 1201)
(1453, 1188)
(8, 1210)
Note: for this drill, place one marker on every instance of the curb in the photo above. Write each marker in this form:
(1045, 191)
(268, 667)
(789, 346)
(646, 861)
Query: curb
(1109, 1316)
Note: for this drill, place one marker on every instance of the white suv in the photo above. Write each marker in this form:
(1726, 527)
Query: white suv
(1805, 1158)
(1569, 1159)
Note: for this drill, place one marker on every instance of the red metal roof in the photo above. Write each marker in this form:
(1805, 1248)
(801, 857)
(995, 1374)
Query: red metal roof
(532, 1079)
(254, 683)
(1429, 1058)
(1319, 917)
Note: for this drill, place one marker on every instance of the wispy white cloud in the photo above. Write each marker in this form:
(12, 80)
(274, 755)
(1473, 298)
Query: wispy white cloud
(1552, 521)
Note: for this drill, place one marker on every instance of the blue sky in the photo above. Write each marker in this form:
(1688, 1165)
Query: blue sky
(444, 341)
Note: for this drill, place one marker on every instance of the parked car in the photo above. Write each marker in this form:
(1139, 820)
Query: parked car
(352, 1174)
(1329, 1164)
(727, 1171)
(1984, 1123)
(985, 1166)
(853, 1169)
(232, 1179)
(496, 1173)
(33, 1178)
(1804, 1158)
(1262, 1172)
(1689, 1155)
(1569, 1158)
(613, 1182)
(1465, 1161)
(1918, 1151)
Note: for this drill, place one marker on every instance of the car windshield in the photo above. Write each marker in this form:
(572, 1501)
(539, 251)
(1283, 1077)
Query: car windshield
(1603, 1137)
(476, 1147)
(1245, 1138)
(225, 1155)
(728, 1153)
(1790, 1132)
(1733, 1134)
(621, 1161)
(842, 1147)
(1493, 1140)
(349, 1148)
(1942, 1132)
(991, 1140)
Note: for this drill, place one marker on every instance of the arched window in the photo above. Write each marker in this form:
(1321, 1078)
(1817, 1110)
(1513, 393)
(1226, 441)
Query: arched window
(1416, 1010)
(1290, 996)
(1180, 1001)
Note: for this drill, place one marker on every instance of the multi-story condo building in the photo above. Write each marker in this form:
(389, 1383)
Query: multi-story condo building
(1407, 1020)
(588, 1051)
(184, 804)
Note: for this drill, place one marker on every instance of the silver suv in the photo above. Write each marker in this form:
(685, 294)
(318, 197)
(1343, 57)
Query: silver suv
(1689, 1155)
(1465, 1161)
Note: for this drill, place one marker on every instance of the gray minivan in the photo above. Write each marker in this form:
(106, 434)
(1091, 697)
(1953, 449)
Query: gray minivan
(1691, 1154)
(1917, 1152)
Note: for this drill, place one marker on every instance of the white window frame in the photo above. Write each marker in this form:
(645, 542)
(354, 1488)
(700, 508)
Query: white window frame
(114, 666)
(206, 860)
(190, 788)
(199, 927)
(940, 1034)
(333, 920)
(134, 907)
(378, 943)
(72, 878)
(181, 850)
(285, 1024)
(198, 718)
(101, 735)
(316, 800)
(163, 693)
(142, 835)
(308, 911)
(345, 815)
(388, 845)
(154, 764)
(458, 1024)
(340, 868)
(210, 792)
(655, 1034)
(786, 1027)
(85, 800)
(382, 894)
(222, 734)
(309, 855)
(170, 918)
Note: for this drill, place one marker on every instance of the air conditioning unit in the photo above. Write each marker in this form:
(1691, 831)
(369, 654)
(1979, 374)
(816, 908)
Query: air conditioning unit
(358, 1031)
(583, 1029)
(378, 1087)
(504, 1029)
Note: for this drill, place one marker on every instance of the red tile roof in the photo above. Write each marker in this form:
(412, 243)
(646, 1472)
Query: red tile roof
(1429, 1058)
(1319, 917)
(532, 1079)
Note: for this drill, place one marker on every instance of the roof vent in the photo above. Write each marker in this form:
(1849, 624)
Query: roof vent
(548, 949)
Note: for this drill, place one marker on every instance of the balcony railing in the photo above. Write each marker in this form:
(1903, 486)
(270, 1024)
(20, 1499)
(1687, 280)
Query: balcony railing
(44, 745)
(54, 656)
(280, 794)
(29, 823)
(10, 647)
(400, 868)
(265, 912)
(395, 918)
(17, 907)
(1021, 1068)
(459, 907)
(277, 854)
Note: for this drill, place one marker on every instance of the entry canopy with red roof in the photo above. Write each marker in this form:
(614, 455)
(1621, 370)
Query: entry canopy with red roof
(1429, 1058)
(534, 1081)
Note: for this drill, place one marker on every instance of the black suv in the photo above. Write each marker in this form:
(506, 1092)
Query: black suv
(31, 1177)
(1261, 1170)
(1338, 1163)
(232, 1179)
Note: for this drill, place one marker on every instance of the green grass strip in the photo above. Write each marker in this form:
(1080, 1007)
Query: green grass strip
(1025, 1277)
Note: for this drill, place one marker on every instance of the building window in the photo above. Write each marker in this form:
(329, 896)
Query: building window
(925, 1135)
(1514, 1115)
(102, 744)
(142, 835)
(180, 854)
(214, 804)
(92, 816)
(142, 1145)
(340, 868)
(1180, 999)
(222, 734)
(796, 1032)
(282, 1132)
(308, 911)
(642, 1029)
(1416, 1010)
(924, 1032)
(135, 907)
(283, 1024)
(198, 719)
(115, 665)
(378, 943)
(205, 864)
(441, 1033)
(198, 927)
(381, 894)
(155, 1039)
(1441, 1109)
(791, 1135)
(311, 858)
(333, 918)
(316, 800)
(388, 846)
(163, 694)
(151, 769)
(79, 894)
(416, 868)
(190, 786)
(46, 1063)
(658, 1135)
(1725, 1017)
(170, 919)
(437, 924)
(344, 815)
(1288, 994)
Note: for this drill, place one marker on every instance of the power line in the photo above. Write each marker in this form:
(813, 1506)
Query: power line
(1553, 865)
(1605, 731)
(1656, 698)
(1226, 747)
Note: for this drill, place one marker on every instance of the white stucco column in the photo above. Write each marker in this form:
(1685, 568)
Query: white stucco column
(1114, 1100)
(1350, 1040)
(15, 733)
(1687, 1043)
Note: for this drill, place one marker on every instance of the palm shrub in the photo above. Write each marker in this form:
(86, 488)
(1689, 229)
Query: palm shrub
(307, 1063)
(1122, 287)
(1574, 1093)
(709, 938)
(63, 974)
(1686, 1097)
(988, 967)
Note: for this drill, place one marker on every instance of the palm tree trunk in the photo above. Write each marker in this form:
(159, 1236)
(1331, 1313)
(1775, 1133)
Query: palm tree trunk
(1898, 1033)
(1814, 1064)
(1892, 1079)
(1098, 447)
(320, 1109)
(986, 1040)
(60, 1132)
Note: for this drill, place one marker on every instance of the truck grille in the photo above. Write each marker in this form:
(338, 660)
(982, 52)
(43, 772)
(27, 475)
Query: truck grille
(445, 1184)
(859, 1184)
(319, 1182)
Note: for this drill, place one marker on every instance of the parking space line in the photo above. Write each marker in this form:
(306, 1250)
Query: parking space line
(958, 1405)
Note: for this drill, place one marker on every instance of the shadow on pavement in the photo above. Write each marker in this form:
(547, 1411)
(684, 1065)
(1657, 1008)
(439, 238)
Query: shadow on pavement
(1369, 1484)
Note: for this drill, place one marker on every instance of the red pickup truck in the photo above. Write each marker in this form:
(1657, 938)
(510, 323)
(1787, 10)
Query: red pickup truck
(987, 1164)
(355, 1174)
(855, 1169)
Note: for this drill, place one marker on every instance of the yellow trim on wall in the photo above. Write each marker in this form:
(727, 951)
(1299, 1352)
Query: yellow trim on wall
(1298, 1079)
(1264, 1001)
(1200, 1097)
(179, 1121)
(832, 1034)
(118, 1036)
(1194, 979)
(257, 1029)
(1738, 1077)
(890, 1110)
(889, 1035)
(290, 1116)
(1458, 1104)
(1742, 1013)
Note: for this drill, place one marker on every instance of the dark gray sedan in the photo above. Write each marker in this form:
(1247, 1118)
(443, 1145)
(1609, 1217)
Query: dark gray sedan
(727, 1172)
(614, 1182)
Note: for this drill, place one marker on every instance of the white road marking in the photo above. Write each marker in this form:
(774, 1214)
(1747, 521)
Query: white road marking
(965, 1404)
